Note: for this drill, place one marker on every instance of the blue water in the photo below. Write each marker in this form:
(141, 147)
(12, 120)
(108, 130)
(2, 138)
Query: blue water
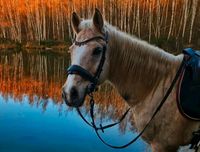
(31, 125)
(27, 128)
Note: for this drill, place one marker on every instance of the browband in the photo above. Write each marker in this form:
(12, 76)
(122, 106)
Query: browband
(92, 39)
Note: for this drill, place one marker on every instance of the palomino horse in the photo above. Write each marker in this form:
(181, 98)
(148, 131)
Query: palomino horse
(140, 72)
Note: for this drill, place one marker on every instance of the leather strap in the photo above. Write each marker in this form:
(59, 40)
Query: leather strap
(88, 40)
(154, 114)
(105, 38)
(76, 69)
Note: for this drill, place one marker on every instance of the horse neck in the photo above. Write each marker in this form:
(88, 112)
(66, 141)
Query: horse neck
(136, 67)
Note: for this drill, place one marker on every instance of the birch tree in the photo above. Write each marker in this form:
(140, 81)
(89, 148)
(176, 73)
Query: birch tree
(185, 16)
(194, 10)
(172, 19)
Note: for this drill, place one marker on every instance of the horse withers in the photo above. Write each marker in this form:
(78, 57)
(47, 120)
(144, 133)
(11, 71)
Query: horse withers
(138, 70)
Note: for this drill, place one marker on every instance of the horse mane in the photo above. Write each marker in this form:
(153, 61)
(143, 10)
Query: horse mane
(136, 61)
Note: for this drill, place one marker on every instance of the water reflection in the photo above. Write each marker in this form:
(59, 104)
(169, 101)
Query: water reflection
(43, 73)
(35, 78)
(35, 73)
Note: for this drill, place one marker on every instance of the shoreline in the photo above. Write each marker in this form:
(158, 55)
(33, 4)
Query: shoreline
(44, 45)
(64, 45)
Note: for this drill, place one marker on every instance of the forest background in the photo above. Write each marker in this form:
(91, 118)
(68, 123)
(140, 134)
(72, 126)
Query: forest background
(169, 24)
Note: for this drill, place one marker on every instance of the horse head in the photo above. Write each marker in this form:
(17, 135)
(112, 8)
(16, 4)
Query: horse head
(88, 59)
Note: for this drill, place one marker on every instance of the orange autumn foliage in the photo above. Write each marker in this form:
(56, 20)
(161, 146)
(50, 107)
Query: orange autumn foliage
(39, 20)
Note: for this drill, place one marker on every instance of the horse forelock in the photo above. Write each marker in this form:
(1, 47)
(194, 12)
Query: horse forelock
(87, 30)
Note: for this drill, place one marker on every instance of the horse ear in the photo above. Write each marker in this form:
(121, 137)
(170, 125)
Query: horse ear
(75, 21)
(98, 20)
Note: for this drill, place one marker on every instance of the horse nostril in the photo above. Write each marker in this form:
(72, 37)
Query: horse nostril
(73, 93)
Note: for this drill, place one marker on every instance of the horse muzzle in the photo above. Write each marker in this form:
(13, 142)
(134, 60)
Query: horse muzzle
(73, 97)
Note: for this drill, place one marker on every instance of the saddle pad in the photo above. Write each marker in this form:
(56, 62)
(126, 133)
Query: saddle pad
(189, 86)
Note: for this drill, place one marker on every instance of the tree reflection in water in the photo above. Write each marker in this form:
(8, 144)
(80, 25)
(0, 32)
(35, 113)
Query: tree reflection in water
(40, 75)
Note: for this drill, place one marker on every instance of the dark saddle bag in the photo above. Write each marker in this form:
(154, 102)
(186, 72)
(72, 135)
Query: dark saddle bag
(189, 86)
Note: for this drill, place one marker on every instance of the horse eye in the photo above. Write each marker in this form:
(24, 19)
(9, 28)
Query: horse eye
(97, 51)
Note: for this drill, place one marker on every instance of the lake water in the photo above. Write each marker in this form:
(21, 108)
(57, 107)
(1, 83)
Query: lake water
(33, 117)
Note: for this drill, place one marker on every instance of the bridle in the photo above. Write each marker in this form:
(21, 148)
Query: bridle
(76, 69)
(94, 79)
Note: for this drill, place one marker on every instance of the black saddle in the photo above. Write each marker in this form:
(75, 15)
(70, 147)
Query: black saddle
(189, 86)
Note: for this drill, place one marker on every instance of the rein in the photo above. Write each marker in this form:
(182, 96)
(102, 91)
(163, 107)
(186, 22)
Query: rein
(93, 124)
(76, 69)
